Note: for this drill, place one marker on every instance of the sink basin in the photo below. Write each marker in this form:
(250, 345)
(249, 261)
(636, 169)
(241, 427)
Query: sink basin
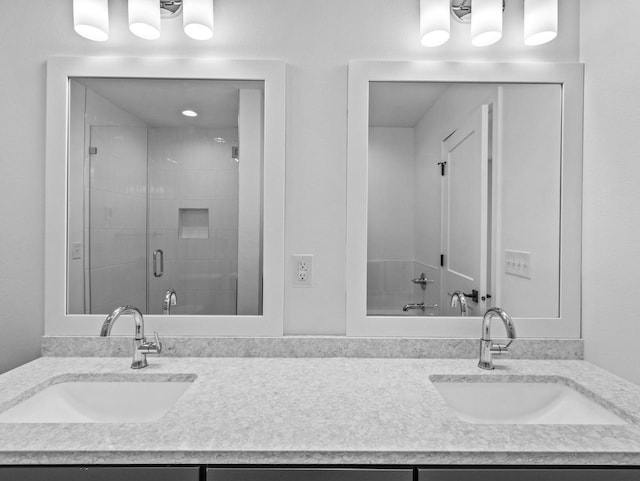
(522, 403)
(97, 402)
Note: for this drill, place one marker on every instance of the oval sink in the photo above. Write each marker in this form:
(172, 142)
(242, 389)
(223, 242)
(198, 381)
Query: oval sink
(97, 402)
(522, 403)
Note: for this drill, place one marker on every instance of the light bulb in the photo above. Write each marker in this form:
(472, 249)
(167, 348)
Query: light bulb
(197, 18)
(435, 22)
(91, 19)
(540, 21)
(144, 18)
(486, 22)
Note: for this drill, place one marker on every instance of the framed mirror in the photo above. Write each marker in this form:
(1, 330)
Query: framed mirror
(165, 191)
(464, 186)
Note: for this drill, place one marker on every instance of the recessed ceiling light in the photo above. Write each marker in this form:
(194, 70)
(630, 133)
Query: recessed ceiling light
(220, 140)
(189, 113)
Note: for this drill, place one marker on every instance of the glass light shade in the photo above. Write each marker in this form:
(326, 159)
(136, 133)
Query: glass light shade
(435, 22)
(486, 22)
(144, 18)
(197, 17)
(540, 21)
(91, 19)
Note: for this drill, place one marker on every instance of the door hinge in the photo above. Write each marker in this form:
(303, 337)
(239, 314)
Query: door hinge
(442, 168)
(441, 260)
(93, 150)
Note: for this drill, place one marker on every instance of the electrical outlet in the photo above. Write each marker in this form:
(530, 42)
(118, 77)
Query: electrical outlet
(302, 275)
(76, 250)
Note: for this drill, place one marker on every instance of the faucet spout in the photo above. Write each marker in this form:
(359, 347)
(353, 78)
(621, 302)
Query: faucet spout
(408, 307)
(487, 347)
(113, 317)
(140, 345)
(170, 299)
(459, 297)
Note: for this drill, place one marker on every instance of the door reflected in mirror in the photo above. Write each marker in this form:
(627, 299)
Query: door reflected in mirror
(464, 199)
(165, 193)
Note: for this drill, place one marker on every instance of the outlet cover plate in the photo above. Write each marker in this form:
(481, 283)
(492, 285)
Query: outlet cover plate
(302, 270)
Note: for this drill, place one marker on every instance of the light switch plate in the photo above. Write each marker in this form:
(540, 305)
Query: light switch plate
(518, 263)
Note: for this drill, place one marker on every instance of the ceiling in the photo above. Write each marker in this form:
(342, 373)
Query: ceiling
(401, 104)
(160, 102)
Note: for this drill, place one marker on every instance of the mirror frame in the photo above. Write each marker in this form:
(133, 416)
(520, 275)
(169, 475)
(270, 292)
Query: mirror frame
(59, 71)
(571, 77)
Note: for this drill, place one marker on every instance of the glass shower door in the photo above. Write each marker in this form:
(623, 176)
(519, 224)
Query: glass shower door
(117, 218)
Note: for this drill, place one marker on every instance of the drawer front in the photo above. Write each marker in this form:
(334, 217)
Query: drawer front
(528, 474)
(99, 473)
(308, 474)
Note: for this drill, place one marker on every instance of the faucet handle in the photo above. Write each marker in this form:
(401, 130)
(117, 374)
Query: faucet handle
(158, 343)
(500, 349)
(151, 347)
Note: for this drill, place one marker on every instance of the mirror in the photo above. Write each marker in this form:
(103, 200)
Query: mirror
(165, 196)
(463, 178)
(142, 200)
(464, 198)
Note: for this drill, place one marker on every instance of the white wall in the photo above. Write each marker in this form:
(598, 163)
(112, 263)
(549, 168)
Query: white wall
(611, 232)
(390, 225)
(316, 39)
(530, 166)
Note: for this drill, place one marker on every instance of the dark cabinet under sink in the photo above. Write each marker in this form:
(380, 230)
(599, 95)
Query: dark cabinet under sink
(314, 473)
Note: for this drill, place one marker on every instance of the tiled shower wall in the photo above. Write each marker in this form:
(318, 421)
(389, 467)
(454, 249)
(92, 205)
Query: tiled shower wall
(188, 169)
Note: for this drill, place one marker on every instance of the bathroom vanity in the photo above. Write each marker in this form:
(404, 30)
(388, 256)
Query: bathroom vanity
(382, 414)
(289, 415)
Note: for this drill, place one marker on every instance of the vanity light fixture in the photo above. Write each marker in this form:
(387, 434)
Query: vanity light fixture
(189, 113)
(485, 17)
(91, 19)
(540, 21)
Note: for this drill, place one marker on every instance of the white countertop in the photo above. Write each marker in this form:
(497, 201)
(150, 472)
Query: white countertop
(316, 411)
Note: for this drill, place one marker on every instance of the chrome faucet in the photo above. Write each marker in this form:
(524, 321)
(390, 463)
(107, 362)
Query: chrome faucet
(459, 297)
(170, 299)
(140, 345)
(419, 305)
(487, 347)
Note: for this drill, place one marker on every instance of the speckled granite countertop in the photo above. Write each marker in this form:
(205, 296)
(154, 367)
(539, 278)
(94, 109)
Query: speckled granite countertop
(316, 411)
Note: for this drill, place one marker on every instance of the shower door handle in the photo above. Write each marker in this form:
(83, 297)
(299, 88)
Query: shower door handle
(158, 254)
